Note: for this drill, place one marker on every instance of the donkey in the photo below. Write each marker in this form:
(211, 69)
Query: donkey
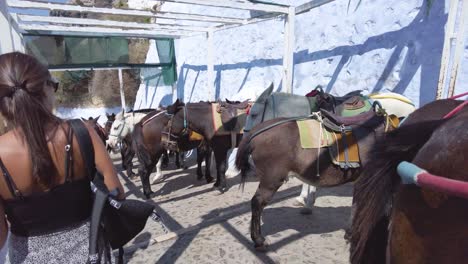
(120, 137)
(271, 105)
(396, 223)
(273, 162)
(103, 135)
(147, 146)
(199, 117)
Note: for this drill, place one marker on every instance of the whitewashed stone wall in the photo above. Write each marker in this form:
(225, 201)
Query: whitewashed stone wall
(385, 45)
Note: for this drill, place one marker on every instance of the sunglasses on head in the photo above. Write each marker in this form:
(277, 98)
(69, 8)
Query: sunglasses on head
(53, 83)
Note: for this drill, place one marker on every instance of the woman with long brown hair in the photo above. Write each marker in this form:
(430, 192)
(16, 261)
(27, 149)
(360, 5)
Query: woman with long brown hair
(47, 206)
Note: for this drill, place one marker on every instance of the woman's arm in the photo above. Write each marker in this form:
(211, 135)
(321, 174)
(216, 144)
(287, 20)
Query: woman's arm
(104, 164)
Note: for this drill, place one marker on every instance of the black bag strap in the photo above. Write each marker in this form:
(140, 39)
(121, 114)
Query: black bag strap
(86, 145)
(100, 198)
(87, 152)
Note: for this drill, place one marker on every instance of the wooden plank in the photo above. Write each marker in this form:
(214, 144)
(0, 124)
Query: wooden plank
(449, 29)
(106, 23)
(306, 7)
(99, 31)
(459, 47)
(289, 44)
(236, 4)
(126, 12)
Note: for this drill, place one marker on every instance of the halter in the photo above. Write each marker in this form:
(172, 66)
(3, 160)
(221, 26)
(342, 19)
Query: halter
(167, 141)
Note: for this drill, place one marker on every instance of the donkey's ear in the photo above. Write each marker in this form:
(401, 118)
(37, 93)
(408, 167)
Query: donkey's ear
(264, 96)
(96, 119)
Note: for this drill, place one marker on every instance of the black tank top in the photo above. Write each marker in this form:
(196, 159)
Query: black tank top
(61, 207)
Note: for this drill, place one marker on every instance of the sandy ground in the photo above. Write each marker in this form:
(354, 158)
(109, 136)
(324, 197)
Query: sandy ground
(214, 228)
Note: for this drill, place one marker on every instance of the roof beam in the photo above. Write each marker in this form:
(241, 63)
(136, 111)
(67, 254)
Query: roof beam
(311, 5)
(106, 23)
(236, 4)
(94, 31)
(126, 12)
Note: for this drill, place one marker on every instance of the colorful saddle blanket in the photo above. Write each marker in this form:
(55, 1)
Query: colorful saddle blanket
(310, 137)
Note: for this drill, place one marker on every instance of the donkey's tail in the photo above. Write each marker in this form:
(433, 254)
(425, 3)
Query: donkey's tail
(375, 186)
(138, 144)
(242, 157)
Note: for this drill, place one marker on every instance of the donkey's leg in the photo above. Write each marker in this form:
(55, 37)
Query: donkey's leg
(207, 154)
(182, 160)
(129, 154)
(165, 159)
(158, 177)
(221, 159)
(177, 160)
(269, 184)
(200, 157)
(145, 178)
(307, 197)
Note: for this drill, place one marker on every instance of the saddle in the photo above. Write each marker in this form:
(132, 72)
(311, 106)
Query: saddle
(348, 130)
(230, 113)
(354, 106)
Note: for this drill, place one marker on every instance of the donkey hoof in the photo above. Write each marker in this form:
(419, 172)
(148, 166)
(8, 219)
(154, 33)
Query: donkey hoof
(216, 184)
(209, 179)
(263, 247)
(306, 211)
(184, 167)
(222, 189)
(148, 195)
(199, 176)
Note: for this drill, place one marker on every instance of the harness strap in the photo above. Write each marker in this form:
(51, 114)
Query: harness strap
(456, 110)
(153, 117)
(276, 124)
(69, 155)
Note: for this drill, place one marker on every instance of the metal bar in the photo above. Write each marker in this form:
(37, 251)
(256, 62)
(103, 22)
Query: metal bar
(63, 30)
(122, 93)
(311, 5)
(447, 48)
(210, 66)
(233, 4)
(106, 23)
(459, 47)
(126, 12)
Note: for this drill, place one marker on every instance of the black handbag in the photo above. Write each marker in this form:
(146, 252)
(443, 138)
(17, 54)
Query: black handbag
(119, 221)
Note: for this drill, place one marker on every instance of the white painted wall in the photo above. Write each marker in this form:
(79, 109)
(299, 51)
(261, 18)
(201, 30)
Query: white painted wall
(10, 40)
(386, 45)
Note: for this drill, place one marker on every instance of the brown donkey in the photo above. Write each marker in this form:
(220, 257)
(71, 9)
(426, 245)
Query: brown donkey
(147, 145)
(276, 150)
(199, 117)
(396, 223)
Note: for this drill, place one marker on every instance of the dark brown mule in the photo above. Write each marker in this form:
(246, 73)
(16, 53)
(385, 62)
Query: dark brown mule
(103, 135)
(198, 117)
(277, 151)
(147, 146)
(395, 223)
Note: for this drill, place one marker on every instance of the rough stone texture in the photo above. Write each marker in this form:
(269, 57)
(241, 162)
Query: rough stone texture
(382, 46)
(214, 227)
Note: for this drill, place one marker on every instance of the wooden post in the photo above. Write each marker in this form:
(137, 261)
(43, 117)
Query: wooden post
(459, 45)
(289, 44)
(122, 93)
(210, 66)
(449, 30)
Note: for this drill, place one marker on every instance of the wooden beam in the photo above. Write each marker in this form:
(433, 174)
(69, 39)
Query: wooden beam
(106, 23)
(459, 47)
(126, 12)
(99, 31)
(236, 4)
(306, 7)
(289, 44)
(449, 30)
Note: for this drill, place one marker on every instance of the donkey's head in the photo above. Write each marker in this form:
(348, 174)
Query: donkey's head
(255, 115)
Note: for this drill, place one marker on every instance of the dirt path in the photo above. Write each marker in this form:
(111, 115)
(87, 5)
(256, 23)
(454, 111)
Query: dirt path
(214, 228)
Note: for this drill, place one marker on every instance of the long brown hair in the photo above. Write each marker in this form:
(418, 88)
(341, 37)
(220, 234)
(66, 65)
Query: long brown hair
(23, 81)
